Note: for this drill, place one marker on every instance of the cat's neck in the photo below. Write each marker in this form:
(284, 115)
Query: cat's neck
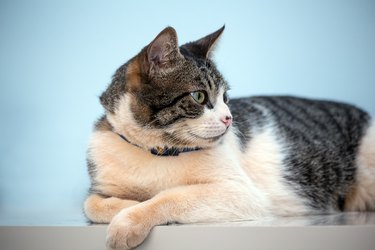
(164, 151)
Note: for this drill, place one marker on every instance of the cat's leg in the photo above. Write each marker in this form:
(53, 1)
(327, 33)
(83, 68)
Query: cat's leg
(362, 195)
(184, 204)
(101, 209)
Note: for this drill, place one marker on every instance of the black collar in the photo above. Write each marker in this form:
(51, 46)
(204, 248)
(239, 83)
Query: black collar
(166, 151)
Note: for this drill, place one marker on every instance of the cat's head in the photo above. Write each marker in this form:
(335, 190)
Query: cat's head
(169, 95)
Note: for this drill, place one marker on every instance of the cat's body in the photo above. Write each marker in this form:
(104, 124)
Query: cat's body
(281, 155)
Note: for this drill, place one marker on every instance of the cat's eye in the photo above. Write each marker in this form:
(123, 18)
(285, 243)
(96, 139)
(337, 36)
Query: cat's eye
(199, 96)
(225, 98)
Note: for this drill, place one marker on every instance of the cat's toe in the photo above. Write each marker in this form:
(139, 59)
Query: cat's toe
(117, 238)
(125, 233)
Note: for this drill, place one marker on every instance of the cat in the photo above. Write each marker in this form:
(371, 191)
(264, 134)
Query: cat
(172, 148)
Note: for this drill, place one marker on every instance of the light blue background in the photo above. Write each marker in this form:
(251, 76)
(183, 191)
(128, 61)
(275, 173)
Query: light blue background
(58, 56)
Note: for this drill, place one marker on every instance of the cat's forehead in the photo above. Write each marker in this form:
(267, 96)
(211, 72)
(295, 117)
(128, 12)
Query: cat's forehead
(193, 75)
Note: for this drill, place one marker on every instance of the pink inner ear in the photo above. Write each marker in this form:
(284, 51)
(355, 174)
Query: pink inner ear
(162, 46)
(155, 54)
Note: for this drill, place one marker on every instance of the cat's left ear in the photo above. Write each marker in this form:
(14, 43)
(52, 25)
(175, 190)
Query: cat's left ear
(203, 47)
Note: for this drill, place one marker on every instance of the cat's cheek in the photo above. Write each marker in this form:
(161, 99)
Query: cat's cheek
(128, 229)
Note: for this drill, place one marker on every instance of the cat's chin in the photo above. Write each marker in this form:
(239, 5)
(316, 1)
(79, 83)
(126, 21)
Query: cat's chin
(209, 138)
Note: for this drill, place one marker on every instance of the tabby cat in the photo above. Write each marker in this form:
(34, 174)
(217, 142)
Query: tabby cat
(172, 148)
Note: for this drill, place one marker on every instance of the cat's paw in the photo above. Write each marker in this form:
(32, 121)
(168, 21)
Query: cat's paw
(126, 230)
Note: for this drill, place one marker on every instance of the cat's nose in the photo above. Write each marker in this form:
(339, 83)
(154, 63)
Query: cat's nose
(227, 120)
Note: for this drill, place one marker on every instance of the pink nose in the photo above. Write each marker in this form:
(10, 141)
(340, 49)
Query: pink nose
(227, 120)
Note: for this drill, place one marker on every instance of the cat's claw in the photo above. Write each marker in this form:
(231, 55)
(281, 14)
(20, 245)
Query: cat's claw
(125, 232)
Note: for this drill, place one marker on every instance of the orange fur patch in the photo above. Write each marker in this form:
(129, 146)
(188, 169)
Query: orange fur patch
(133, 75)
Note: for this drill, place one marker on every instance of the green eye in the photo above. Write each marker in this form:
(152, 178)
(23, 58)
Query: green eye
(199, 97)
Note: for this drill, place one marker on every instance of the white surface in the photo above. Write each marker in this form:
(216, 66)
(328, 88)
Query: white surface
(337, 231)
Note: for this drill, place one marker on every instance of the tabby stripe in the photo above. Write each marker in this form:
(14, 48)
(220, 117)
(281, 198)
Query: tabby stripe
(210, 82)
(173, 120)
(337, 125)
(187, 112)
(171, 104)
(296, 105)
(206, 82)
(349, 122)
(291, 127)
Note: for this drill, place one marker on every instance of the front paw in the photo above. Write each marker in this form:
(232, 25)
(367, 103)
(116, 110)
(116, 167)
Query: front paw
(126, 230)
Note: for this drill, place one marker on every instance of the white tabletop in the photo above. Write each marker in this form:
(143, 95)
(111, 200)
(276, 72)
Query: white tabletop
(335, 231)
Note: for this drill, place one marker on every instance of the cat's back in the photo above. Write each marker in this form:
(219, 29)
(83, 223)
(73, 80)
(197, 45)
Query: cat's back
(301, 119)
(317, 142)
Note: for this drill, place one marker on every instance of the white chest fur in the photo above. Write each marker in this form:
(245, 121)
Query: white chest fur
(125, 170)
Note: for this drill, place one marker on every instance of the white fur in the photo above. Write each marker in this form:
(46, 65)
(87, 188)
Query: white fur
(363, 195)
(218, 183)
(263, 162)
(256, 175)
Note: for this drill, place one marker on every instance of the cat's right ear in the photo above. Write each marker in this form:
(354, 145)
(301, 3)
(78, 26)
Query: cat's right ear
(163, 51)
(203, 47)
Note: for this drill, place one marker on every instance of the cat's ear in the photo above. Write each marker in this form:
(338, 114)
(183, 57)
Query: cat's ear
(163, 51)
(203, 47)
